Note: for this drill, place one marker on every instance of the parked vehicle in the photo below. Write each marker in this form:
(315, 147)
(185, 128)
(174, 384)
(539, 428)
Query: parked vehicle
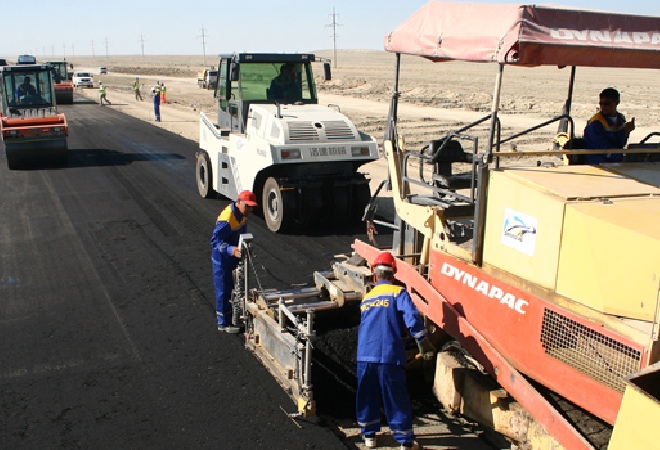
(26, 59)
(208, 78)
(83, 79)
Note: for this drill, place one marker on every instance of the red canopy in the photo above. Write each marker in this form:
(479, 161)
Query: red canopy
(529, 35)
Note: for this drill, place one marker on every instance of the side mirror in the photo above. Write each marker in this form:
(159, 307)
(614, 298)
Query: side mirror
(233, 76)
(326, 71)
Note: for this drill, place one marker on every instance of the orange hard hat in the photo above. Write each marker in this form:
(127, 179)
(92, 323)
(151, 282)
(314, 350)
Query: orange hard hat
(248, 198)
(385, 259)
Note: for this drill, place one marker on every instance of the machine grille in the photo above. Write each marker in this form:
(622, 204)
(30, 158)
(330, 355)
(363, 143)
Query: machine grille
(338, 130)
(302, 131)
(600, 357)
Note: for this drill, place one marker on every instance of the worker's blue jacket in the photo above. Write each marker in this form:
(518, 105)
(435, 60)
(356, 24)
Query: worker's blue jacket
(386, 311)
(604, 132)
(229, 226)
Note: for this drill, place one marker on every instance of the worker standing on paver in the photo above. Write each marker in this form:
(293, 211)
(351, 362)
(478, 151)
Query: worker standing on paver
(386, 311)
(156, 92)
(136, 88)
(163, 92)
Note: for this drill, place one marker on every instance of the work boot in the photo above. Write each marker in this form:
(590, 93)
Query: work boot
(228, 329)
(414, 445)
(370, 441)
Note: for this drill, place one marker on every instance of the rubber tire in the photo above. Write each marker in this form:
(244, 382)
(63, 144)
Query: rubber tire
(278, 206)
(204, 176)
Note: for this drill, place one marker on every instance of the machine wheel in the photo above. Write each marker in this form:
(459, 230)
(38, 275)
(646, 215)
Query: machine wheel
(278, 206)
(204, 176)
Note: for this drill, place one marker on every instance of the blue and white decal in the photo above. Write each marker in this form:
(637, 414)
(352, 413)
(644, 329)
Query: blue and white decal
(519, 231)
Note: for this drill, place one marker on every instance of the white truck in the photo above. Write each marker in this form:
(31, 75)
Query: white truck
(208, 78)
(301, 159)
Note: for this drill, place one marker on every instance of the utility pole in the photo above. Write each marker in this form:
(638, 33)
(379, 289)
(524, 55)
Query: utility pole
(334, 36)
(73, 53)
(63, 49)
(93, 54)
(142, 44)
(203, 36)
(106, 46)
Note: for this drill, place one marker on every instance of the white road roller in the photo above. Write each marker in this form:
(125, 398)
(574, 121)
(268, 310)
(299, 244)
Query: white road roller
(301, 159)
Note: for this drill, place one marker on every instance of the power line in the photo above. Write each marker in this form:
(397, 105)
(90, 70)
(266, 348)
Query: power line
(334, 36)
(203, 36)
(142, 44)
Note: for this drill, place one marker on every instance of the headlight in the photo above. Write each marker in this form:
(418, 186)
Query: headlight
(290, 153)
(360, 151)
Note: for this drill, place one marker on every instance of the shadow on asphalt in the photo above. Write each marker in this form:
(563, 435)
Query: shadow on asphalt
(103, 157)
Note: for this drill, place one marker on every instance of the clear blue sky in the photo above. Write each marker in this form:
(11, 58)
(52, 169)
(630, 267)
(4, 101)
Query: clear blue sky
(174, 27)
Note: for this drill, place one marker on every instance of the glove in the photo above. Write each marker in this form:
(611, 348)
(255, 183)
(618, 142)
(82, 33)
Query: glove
(426, 349)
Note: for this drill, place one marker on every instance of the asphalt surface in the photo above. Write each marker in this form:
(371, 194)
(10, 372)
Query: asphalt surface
(107, 322)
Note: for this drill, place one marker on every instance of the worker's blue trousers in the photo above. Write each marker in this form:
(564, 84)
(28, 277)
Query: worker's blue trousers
(223, 279)
(384, 385)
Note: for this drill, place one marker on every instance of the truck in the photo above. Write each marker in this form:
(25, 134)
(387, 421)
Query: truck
(26, 59)
(33, 132)
(83, 79)
(63, 84)
(544, 277)
(300, 158)
(207, 78)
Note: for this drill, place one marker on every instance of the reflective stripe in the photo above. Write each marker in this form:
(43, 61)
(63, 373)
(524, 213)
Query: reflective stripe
(373, 422)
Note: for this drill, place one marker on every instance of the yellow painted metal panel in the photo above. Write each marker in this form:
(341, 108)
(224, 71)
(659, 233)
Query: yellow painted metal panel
(610, 256)
(645, 172)
(637, 421)
(580, 182)
(529, 248)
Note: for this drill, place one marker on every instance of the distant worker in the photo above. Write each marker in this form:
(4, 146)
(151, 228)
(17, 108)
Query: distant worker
(163, 92)
(285, 86)
(102, 97)
(386, 311)
(225, 254)
(136, 87)
(25, 89)
(607, 129)
(156, 93)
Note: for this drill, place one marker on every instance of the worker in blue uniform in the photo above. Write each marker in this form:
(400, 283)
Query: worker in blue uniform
(386, 312)
(231, 223)
(607, 129)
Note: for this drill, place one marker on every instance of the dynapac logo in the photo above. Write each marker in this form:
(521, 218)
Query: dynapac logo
(483, 287)
(612, 37)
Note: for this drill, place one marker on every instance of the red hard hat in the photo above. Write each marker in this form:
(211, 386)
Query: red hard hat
(248, 198)
(385, 259)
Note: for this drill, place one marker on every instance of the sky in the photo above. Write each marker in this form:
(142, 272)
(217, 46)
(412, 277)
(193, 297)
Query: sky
(184, 27)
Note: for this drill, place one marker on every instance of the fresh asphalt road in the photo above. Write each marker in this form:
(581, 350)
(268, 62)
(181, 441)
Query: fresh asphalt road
(107, 322)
